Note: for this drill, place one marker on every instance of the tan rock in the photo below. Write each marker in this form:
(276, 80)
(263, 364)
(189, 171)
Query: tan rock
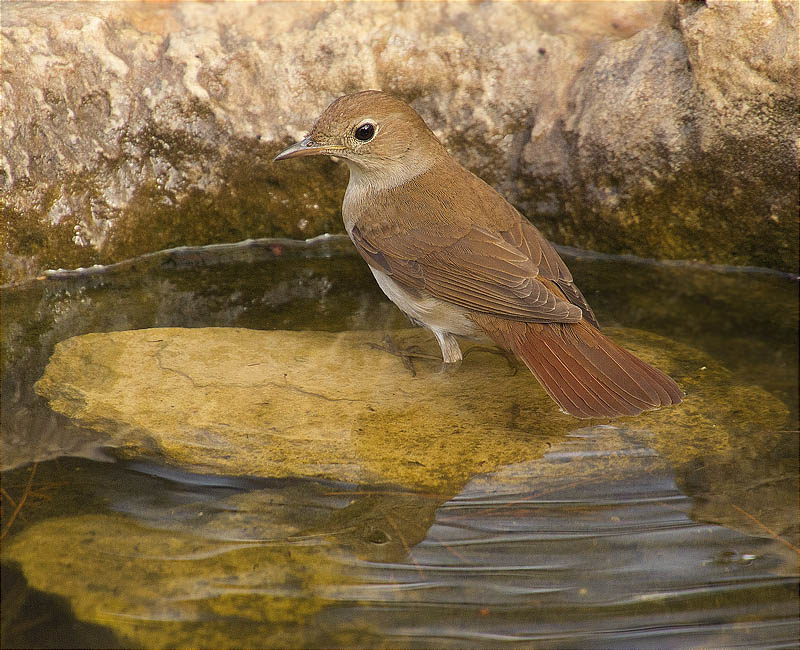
(296, 403)
(613, 126)
(318, 404)
(164, 587)
(665, 147)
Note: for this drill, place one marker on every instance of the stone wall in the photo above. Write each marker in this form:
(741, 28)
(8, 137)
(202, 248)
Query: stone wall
(659, 129)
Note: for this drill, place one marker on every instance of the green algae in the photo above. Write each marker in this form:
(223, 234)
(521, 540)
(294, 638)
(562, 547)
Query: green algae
(253, 202)
(675, 219)
(31, 244)
(690, 215)
(123, 575)
(257, 199)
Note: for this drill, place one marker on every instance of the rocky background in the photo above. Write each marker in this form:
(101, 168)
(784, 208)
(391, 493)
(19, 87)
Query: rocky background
(660, 129)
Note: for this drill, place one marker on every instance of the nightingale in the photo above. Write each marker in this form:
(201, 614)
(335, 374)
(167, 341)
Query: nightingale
(459, 260)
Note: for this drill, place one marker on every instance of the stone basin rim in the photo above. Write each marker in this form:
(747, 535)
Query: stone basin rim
(341, 239)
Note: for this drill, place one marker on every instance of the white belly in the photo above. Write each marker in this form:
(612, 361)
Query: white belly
(435, 314)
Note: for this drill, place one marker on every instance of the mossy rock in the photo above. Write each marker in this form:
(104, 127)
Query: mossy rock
(167, 588)
(335, 406)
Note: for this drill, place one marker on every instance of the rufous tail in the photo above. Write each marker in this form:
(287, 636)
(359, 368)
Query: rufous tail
(587, 374)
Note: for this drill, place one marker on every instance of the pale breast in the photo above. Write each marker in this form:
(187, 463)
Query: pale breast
(427, 311)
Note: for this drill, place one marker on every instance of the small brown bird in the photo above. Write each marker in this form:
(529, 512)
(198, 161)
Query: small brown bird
(458, 259)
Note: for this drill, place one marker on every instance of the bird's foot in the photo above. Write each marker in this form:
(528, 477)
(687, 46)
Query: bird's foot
(511, 360)
(407, 355)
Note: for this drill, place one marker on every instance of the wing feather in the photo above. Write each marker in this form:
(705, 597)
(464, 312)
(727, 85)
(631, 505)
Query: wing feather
(478, 271)
(463, 243)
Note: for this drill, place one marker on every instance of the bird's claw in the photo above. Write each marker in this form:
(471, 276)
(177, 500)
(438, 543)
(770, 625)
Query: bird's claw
(406, 354)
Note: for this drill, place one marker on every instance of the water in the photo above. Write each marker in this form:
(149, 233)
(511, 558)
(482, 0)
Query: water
(600, 542)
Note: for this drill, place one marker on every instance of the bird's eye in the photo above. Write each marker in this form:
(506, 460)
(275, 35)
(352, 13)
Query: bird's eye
(365, 131)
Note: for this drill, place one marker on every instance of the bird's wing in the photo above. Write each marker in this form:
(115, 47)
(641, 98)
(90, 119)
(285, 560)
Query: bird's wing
(525, 236)
(510, 273)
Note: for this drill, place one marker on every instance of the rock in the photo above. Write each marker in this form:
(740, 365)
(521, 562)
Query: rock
(159, 588)
(314, 404)
(326, 405)
(660, 132)
(679, 136)
(254, 564)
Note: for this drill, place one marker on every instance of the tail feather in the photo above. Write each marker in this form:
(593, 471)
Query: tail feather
(608, 360)
(580, 377)
(611, 394)
(561, 384)
(561, 392)
(587, 374)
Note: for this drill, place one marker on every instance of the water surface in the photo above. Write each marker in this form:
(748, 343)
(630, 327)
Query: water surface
(598, 543)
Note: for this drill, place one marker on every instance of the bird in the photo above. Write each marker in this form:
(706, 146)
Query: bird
(458, 259)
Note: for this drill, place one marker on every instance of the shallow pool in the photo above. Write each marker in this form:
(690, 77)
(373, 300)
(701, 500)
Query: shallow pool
(598, 539)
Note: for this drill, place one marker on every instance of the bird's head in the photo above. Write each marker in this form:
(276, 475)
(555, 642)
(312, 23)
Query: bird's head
(374, 132)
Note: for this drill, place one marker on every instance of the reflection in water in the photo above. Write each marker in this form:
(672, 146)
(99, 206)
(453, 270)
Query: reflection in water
(598, 543)
(591, 546)
(603, 554)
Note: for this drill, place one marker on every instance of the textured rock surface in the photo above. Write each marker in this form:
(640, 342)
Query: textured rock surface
(681, 140)
(316, 404)
(247, 402)
(623, 127)
(182, 588)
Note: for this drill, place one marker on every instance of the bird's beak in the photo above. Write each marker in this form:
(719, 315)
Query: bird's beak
(306, 147)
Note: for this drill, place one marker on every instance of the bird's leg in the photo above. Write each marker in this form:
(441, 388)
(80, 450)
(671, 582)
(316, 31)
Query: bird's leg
(451, 352)
(511, 360)
(406, 354)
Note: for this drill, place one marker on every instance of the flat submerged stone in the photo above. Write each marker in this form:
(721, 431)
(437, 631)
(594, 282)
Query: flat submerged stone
(332, 405)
